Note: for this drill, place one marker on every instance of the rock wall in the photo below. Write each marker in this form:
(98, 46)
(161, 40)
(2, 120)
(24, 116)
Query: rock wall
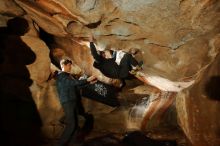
(156, 27)
(197, 113)
(179, 40)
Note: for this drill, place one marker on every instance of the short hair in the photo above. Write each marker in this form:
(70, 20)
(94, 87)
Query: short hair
(101, 52)
(110, 51)
(65, 62)
(134, 51)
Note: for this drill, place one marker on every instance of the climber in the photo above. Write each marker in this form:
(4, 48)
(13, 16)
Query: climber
(67, 90)
(113, 64)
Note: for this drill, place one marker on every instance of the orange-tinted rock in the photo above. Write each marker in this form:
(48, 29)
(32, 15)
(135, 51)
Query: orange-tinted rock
(179, 40)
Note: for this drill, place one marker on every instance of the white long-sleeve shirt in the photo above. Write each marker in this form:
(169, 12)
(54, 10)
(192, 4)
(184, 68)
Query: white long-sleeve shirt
(119, 55)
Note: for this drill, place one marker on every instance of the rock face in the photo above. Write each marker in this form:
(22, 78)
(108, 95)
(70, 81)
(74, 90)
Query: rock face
(170, 40)
(10, 8)
(179, 40)
(197, 113)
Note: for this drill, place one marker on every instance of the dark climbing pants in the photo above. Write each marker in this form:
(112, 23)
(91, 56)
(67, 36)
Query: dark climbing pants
(126, 65)
(71, 121)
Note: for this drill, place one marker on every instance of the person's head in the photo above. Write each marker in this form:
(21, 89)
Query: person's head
(18, 26)
(106, 54)
(66, 65)
(134, 51)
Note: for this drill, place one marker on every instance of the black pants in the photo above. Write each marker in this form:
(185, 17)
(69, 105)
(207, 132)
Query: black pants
(126, 65)
(70, 110)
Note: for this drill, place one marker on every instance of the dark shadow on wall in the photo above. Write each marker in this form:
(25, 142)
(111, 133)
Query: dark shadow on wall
(212, 88)
(51, 44)
(20, 123)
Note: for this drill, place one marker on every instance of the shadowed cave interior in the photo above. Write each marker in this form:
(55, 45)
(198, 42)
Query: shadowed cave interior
(173, 101)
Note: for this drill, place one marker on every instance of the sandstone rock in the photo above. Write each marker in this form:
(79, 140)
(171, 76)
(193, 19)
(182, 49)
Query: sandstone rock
(197, 110)
(40, 69)
(43, 91)
(179, 40)
(10, 8)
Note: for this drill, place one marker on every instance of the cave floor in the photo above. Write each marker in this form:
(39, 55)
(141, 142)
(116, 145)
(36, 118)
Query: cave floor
(95, 138)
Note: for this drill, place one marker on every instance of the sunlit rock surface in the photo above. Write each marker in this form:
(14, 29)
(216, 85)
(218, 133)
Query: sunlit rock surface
(179, 40)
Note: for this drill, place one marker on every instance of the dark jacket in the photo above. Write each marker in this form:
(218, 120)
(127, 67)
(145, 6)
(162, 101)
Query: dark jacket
(67, 86)
(107, 66)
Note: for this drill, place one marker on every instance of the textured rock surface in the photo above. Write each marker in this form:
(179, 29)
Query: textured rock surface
(177, 34)
(44, 92)
(178, 38)
(197, 113)
(10, 8)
